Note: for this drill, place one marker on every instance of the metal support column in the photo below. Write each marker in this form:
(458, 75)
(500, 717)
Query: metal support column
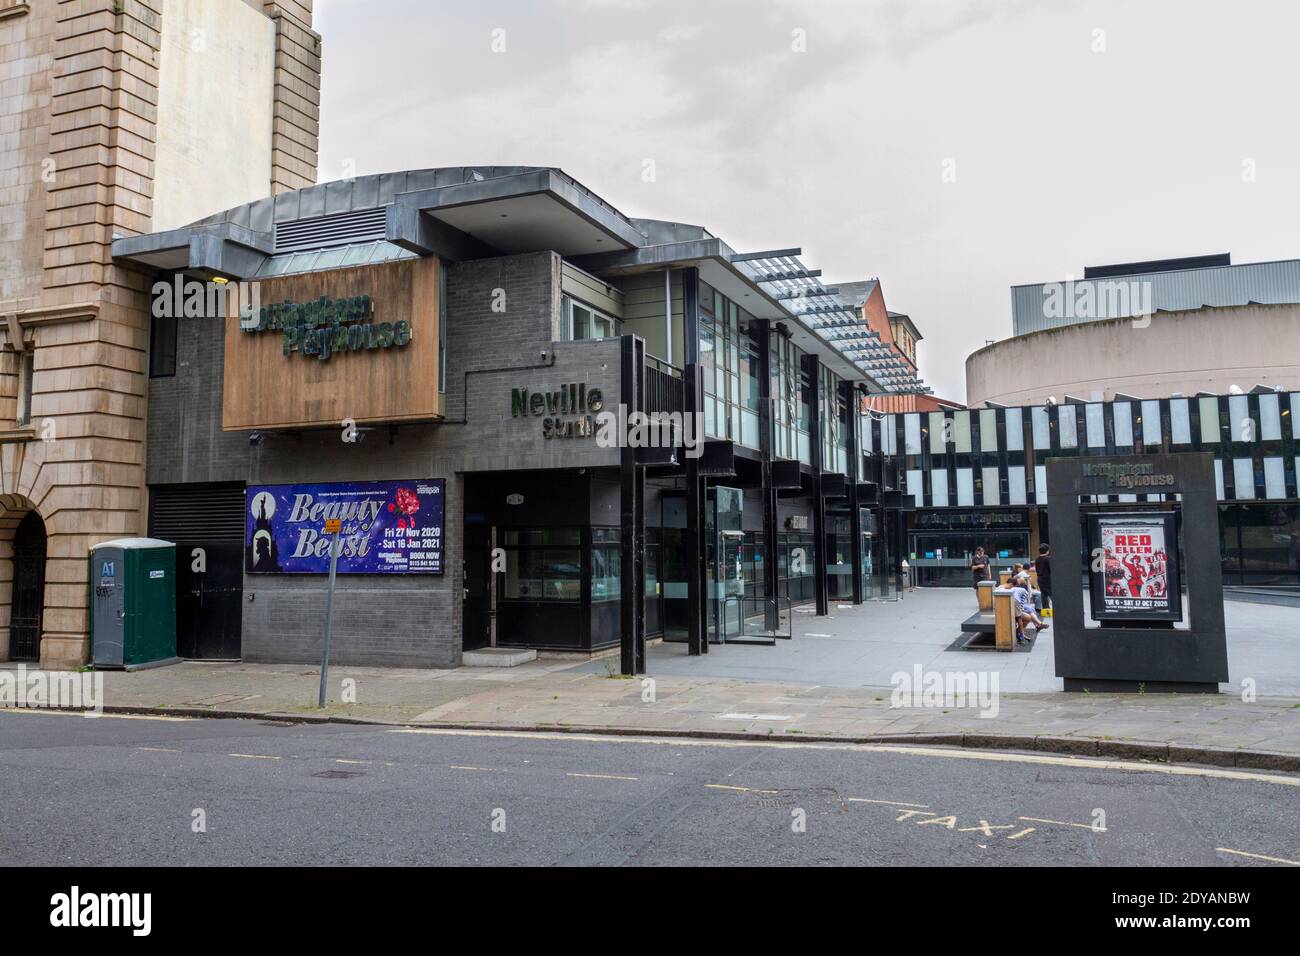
(855, 470)
(813, 368)
(632, 517)
(697, 635)
(761, 330)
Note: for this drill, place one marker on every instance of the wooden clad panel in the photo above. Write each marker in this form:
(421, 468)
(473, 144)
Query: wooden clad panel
(264, 388)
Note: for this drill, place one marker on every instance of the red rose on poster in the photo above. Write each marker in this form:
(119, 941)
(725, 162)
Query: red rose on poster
(408, 502)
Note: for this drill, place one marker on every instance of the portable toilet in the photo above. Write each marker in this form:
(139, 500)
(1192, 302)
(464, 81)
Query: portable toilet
(133, 602)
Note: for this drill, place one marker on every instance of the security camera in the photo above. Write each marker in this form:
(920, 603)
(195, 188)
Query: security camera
(543, 355)
(255, 438)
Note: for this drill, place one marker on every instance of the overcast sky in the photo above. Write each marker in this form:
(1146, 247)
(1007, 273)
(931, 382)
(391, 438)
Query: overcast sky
(1071, 132)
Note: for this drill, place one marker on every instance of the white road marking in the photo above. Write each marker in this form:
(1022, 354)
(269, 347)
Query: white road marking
(754, 717)
(601, 776)
(1086, 763)
(888, 803)
(84, 713)
(255, 756)
(1257, 856)
(1062, 823)
(160, 750)
(484, 769)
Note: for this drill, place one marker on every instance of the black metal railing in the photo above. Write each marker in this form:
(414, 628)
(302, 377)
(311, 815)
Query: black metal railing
(665, 390)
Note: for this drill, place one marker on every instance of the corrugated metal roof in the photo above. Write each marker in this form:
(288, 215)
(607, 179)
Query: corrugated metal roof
(1052, 305)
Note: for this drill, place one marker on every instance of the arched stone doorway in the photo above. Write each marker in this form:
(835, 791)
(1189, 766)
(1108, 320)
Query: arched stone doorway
(28, 601)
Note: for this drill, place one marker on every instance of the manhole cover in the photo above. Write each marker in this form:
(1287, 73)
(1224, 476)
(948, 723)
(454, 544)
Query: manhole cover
(337, 774)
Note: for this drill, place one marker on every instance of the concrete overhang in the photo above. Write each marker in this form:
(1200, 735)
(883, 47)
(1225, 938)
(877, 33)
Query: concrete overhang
(538, 210)
(223, 248)
(713, 259)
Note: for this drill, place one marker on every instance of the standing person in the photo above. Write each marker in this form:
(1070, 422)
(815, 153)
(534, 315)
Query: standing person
(1043, 565)
(979, 566)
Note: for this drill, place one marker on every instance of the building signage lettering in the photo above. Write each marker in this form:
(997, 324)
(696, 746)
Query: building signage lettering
(326, 326)
(959, 520)
(386, 527)
(1121, 475)
(554, 406)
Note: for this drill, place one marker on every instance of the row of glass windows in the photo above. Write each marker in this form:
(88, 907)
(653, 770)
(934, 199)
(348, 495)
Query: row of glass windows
(545, 564)
(1205, 420)
(579, 322)
(729, 360)
(792, 409)
(833, 412)
(994, 456)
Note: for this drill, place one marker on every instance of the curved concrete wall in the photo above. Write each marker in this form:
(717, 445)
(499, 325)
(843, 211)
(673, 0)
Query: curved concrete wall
(1206, 350)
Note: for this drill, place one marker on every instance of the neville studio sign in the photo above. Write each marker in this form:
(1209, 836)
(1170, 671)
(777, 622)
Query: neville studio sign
(554, 406)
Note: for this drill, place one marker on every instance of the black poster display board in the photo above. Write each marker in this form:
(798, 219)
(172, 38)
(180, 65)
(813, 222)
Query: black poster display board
(1126, 653)
(1134, 574)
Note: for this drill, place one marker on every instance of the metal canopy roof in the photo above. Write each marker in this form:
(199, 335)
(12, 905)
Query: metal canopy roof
(801, 293)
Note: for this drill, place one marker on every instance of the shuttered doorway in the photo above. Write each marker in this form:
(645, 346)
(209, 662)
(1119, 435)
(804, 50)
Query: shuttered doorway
(207, 524)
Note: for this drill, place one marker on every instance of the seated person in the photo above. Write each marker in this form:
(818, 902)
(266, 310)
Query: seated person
(1022, 605)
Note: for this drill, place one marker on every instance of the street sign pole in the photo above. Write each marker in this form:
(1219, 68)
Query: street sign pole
(333, 526)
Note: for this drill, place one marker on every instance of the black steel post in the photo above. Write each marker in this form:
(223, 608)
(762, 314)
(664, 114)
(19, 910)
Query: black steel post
(855, 470)
(696, 635)
(813, 368)
(638, 548)
(631, 610)
(761, 330)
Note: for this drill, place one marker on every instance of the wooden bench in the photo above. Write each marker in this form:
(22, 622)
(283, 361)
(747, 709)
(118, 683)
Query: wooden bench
(997, 621)
(1004, 620)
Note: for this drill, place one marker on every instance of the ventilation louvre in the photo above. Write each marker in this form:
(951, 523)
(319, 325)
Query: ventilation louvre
(197, 512)
(338, 229)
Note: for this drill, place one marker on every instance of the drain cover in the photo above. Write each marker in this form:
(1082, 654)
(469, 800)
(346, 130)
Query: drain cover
(337, 774)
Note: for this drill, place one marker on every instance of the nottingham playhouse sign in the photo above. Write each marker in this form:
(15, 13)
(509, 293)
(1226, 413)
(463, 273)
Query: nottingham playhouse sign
(325, 326)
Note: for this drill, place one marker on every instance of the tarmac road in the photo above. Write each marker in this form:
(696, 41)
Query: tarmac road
(122, 790)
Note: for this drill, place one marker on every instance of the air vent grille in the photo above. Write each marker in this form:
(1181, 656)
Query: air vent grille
(197, 512)
(339, 229)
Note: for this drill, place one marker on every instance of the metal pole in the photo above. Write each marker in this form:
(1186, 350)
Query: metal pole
(329, 619)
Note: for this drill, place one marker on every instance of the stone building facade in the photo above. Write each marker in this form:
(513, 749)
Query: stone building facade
(83, 111)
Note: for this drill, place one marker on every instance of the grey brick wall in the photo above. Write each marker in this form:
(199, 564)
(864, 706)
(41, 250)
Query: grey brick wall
(391, 619)
(186, 443)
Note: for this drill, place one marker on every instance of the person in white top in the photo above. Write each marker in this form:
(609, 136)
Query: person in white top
(1023, 606)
